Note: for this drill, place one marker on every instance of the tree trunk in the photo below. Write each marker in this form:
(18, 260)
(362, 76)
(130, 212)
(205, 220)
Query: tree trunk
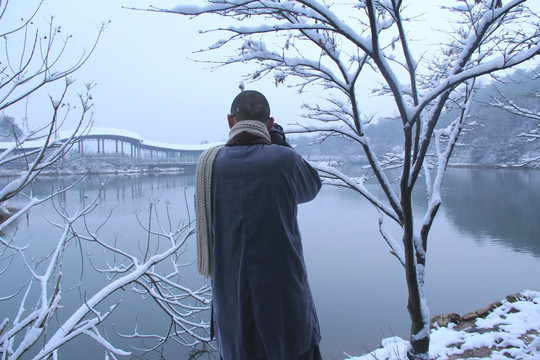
(419, 339)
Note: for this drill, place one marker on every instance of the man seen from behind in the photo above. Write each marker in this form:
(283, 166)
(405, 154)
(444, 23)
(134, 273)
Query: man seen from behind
(249, 241)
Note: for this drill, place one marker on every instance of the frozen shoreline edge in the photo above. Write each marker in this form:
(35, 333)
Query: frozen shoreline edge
(189, 170)
(510, 327)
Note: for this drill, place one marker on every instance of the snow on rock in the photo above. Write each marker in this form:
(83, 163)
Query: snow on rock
(394, 348)
(510, 330)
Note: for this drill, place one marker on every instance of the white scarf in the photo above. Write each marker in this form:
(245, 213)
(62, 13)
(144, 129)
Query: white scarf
(203, 194)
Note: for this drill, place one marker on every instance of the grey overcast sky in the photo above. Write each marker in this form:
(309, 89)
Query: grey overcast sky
(145, 79)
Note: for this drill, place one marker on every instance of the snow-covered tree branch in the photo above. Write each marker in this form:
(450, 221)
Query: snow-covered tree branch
(33, 60)
(36, 58)
(511, 106)
(153, 275)
(340, 47)
(42, 320)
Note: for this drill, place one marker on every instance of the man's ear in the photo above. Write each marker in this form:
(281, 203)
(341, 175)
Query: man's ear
(270, 123)
(230, 119)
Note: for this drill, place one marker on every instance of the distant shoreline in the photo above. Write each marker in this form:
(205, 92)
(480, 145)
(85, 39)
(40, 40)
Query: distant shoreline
(191, 170)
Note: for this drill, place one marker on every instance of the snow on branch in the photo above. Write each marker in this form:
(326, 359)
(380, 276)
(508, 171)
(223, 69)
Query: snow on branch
(529, 160)
(505, 103)
(511, 107)
(503, 32)
(45, 149)
(487, 36)
(333, 129)
(395, 248)
(40, 59)
(179, 302)
(265, 28)
(304, 10)
(249, 8)
(306, 19)
(449, 136)
(38, 63)
(335, 177)
(304, 68)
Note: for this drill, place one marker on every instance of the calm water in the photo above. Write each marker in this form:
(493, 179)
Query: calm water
(485, 244)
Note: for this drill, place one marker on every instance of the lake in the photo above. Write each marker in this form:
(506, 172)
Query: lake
(484, 245)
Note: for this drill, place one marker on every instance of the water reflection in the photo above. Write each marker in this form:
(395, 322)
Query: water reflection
(502, 205)
(117, 186)
(124, 196)
(487, 225)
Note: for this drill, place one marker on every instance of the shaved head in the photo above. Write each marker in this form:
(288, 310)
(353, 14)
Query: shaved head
(250, 105)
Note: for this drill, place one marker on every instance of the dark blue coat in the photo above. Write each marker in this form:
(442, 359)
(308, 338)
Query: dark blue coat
(262, 301)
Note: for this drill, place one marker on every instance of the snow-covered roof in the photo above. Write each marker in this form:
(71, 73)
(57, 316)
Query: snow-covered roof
(26, 145)
(105, 131)
(194, 147)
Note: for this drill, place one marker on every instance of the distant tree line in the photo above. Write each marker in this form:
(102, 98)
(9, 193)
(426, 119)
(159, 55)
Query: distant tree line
(497, 137)
(492, 137)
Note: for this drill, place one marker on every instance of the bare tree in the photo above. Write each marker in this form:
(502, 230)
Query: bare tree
(152, 273)
(305, 43)
(42, 323)
(32, 60)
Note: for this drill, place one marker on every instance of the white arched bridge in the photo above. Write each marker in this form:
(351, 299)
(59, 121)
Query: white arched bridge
(116, 148)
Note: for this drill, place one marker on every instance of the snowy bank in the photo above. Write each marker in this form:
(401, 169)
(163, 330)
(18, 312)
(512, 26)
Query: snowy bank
(505, 330)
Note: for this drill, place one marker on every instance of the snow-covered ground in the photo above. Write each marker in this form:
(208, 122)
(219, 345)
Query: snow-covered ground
(510, 331)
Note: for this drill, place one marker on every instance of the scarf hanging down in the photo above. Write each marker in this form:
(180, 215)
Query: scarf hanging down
(203, 191)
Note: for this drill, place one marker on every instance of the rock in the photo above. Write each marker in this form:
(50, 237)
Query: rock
(494, 305)
(467, 319)
(444, 320)
(514, 297)
(455, 318)
(483, 311)
(469, 316)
